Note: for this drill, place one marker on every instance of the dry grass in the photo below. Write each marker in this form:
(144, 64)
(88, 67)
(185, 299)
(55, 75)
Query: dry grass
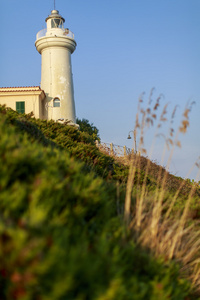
(151, 219)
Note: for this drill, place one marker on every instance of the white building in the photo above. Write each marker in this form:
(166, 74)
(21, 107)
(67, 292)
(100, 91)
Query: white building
(24, 99)
(55, 98)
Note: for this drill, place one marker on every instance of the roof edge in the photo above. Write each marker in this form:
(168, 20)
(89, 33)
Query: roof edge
(21, 87)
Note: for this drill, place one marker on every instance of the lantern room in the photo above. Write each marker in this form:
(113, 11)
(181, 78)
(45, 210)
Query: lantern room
(55, 21)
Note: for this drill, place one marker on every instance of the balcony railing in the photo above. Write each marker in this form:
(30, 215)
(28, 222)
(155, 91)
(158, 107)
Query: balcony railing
(66, 32)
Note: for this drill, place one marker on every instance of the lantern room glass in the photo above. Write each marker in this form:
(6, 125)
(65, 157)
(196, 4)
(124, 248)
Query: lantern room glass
(57, 23)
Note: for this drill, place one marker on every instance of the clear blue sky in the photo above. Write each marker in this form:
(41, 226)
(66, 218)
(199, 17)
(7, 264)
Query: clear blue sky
(124, 48)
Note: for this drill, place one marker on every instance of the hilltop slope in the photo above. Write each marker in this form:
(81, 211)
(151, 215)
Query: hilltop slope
(61, 233)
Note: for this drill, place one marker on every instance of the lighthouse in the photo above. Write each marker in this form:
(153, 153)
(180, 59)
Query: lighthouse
(56, 44)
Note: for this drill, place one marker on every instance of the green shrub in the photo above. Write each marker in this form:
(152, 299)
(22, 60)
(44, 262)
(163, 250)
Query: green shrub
(85, 126)
(60, 234)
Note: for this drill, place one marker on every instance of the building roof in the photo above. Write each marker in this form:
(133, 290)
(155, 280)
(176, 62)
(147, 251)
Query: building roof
(21, 89)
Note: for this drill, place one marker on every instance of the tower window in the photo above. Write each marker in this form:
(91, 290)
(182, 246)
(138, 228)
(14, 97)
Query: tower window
(56, 23)
(20, 107)
(56, 102)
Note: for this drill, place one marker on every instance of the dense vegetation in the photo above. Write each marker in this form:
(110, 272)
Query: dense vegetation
(62, 234)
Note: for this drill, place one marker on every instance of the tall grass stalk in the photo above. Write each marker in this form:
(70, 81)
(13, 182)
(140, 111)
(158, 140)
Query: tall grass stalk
(147, 119)
(177, 237)
(177, 193)
(154, 223)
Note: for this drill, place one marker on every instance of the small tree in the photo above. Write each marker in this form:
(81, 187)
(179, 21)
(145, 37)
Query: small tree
(85, 126)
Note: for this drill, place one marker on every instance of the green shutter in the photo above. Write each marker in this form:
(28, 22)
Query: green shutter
(20, 107)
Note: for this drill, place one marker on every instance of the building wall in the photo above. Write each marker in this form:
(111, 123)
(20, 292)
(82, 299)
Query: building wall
(56, 74)
(33, 102)
(57, 82)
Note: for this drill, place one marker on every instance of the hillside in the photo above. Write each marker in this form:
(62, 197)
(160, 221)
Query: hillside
(62, 234)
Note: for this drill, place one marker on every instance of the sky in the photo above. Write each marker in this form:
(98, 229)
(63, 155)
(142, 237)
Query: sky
(124, 50)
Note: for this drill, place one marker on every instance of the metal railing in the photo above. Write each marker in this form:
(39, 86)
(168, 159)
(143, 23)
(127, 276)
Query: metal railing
(114, 150)
(41, 33)
(66, 32)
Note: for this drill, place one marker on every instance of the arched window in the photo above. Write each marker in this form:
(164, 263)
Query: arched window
(56, 102)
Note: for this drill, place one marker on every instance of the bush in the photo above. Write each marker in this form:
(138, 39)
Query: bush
(60, 234)
(85, 126)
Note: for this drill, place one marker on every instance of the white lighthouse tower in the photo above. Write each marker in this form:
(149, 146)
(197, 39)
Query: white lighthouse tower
(56, 44)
